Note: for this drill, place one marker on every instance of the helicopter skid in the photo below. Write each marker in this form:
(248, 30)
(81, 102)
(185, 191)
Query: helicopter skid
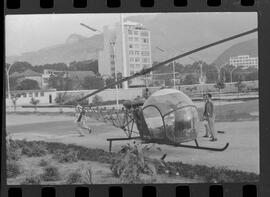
(196, 146)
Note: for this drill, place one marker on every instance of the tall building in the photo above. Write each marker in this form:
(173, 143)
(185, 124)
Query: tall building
(137, 51)
(244, 61)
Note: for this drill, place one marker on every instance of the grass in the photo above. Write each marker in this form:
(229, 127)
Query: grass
(32, 179)
(205, 173)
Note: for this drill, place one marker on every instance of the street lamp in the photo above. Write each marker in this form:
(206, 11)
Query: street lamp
(173, 62)
(113, 47)
(7, 73)
(115, 73)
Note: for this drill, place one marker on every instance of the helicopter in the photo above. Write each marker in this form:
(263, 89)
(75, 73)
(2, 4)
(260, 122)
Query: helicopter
(168, 116)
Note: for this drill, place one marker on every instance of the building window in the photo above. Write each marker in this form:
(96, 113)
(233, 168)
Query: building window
(145, 47)
(137, 59)
(145, 53)
(145, 40)
(130, 32)
(131, 59)
(41, 93)
(130, 46)
(135, 32)
(132, 66)
(130, 52)
(145, 60)
(130, 39)
(36, 94)
(144, 33)
(136, 46)
(137, 53)
(138, 66)
(30, 94)
(136, 39)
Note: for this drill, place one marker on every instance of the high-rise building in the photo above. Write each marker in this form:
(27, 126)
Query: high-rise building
(137, 51)
(244, 61)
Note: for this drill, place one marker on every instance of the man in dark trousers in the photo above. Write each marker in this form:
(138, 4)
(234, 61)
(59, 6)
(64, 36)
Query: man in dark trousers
(210, 116)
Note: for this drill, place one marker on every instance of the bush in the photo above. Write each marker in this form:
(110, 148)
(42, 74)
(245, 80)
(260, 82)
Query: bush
(50, 173)
(32, 180)
(88, 176)
(43, 163)
(133, 163)
(13, 151)
(74, 178)
(66, 156)
(13, 168)
(34, 149)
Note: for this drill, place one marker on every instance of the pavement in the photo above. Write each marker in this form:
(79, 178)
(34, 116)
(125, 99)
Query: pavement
(242, 153)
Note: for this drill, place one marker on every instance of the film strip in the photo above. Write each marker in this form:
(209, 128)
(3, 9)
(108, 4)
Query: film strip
(243, 188)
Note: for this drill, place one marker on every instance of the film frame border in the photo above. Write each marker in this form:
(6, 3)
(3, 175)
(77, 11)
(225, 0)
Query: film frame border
(262, 7)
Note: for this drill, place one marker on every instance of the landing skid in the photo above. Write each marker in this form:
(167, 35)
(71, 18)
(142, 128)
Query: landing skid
(197, 146)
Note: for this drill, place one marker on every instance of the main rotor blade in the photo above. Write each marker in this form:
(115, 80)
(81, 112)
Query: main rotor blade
(148, 70)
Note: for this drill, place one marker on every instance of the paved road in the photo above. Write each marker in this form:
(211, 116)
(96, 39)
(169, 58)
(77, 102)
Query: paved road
(242, 154)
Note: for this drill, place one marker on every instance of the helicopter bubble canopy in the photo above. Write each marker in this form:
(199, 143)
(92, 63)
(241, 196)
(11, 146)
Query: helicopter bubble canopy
(171, 114)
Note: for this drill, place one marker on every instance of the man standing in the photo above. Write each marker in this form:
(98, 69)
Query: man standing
(205, 122)
(210, 116)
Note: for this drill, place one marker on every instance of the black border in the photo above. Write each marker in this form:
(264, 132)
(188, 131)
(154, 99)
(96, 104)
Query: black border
(262, 7)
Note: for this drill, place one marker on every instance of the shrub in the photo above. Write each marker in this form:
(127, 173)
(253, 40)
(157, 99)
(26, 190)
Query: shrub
(66, 156)
(132, 163)
(43, 163)
(31, 180)
(13, 151)
(74, 178)
(88, 176)
(34, 149)
(50, 173)
(13, 168)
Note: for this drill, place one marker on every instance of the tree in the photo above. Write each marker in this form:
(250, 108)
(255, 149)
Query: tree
(220, 85)
(60, 82)
(20, 67)
(97, 100)
(92, 82)
(240, 86)
(190, 79)
(87, 65)
(34, 102)
(28, 84)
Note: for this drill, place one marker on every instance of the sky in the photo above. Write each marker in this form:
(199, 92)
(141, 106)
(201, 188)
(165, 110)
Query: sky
(26, 33)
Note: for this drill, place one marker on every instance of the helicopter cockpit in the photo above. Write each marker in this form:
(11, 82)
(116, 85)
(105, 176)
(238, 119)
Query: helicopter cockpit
(171, 114)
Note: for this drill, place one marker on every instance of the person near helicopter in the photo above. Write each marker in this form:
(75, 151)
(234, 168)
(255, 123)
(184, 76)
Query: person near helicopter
(81, 120)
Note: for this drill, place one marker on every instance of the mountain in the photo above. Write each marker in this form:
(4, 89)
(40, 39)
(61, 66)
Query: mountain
(174, 33)
(249, 47)
(75, 48)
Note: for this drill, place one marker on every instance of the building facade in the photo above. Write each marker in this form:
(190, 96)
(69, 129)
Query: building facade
(137, 51)
(244, 61)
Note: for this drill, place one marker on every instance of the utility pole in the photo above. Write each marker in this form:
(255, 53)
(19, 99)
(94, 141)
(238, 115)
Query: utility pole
(125, 84)
(115, 74)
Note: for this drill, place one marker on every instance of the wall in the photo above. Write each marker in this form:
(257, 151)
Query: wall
(25, 99)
